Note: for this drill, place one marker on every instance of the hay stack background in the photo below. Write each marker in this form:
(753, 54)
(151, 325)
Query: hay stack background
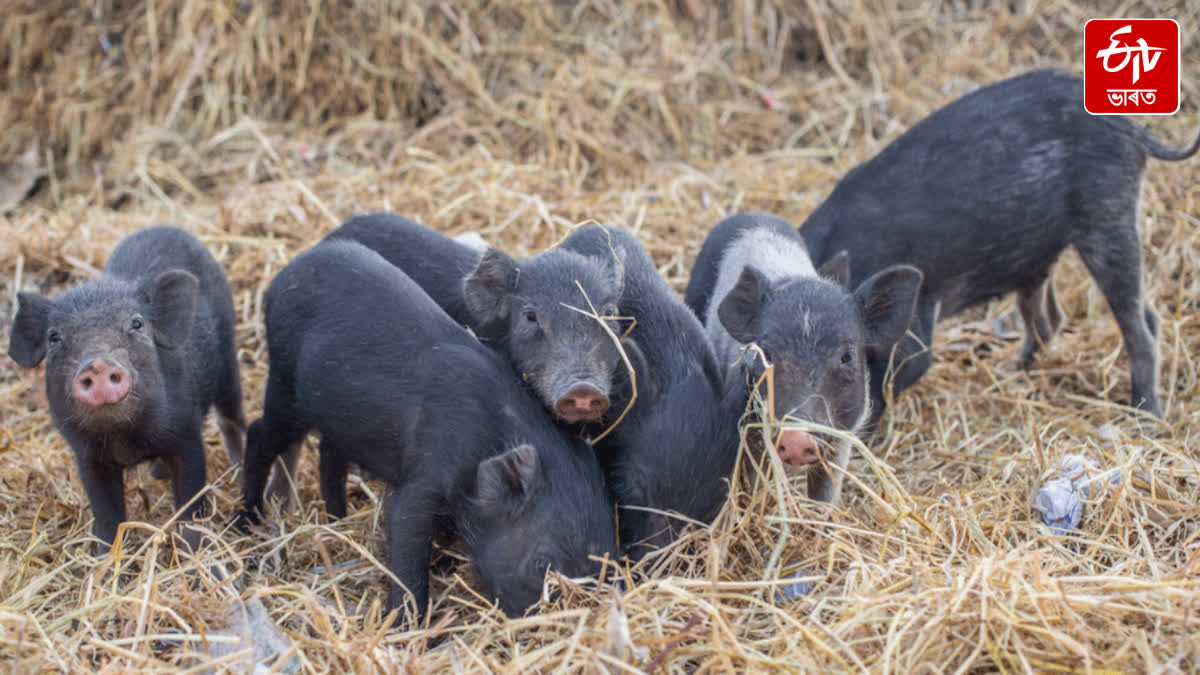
(260, 126)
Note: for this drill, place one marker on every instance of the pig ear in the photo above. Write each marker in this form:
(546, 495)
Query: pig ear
(739, 311)
(888, 300)
(618, 269)
(508, 480)
(27, 344)
(647, 382)
(173, 307)
(487, 289)
(837, 269)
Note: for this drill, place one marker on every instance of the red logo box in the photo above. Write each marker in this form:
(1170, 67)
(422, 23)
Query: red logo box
(1131, 66)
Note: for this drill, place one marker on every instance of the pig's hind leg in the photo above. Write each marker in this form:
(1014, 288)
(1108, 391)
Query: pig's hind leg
(1053, 310)
(272, 435)
(1041, 321)
(231, 417)
(1113, 256)
(333, 469)
(283, 476)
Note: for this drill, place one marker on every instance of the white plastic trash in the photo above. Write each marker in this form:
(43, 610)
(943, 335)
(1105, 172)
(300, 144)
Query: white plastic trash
(795, 589)
(1060, 499)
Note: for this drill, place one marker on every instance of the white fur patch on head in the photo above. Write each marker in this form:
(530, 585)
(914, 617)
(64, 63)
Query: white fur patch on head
(773, 254)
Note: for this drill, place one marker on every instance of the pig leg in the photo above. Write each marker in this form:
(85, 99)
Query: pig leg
(824, 485)
(105, 487)
(1033, 302)
(189, 480)
(410, 532)
(267, 438)
(231, 419)
(1053, 311)
(912, 357)
(1115, 262)
(283, 476)
(333, 470)
(1152, 323)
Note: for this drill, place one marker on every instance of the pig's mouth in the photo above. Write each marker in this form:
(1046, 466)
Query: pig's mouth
(106, 417)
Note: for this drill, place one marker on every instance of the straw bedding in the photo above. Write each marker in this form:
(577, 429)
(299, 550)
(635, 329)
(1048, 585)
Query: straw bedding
(260, 126)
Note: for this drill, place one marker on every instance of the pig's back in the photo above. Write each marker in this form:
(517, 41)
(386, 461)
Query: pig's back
(407, 378)
(437, 263)
(1004, 164)
(151, 251)
(344, 290)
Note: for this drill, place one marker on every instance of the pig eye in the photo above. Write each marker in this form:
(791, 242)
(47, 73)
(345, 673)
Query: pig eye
(54, 337)
(847, 357)
(541, 565)
(610, 310)
(531, 316)
(135, 323)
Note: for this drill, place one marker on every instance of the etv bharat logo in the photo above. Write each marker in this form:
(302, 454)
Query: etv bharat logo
(1131, 67)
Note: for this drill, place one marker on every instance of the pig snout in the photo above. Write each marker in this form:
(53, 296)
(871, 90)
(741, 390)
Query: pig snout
(100, 382)
(798, 447)
(583, 403)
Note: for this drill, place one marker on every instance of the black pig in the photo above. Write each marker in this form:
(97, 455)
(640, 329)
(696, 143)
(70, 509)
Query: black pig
(522, 308)
(760, 287)
(983, 195)
(134, 360)
(360, 353)
(676, 448)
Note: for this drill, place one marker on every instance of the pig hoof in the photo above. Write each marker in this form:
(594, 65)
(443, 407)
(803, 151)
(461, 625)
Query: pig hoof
(246, 521)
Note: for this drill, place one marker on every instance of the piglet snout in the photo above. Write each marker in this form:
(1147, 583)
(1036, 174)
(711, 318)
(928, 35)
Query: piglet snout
(798, 447)
(583, 403)
(100, 382)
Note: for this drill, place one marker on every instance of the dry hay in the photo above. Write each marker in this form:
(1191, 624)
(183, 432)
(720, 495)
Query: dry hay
(259, 126)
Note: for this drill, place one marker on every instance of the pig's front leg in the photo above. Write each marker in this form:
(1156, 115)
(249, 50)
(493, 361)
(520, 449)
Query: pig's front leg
(104, 484)
(410, 529)
(188, 481)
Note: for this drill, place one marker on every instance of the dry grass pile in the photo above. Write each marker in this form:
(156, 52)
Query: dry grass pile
(259, 126)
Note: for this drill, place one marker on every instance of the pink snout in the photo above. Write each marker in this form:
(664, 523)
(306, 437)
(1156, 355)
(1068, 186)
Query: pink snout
(100, 382)
(798, 447)
(584, 403)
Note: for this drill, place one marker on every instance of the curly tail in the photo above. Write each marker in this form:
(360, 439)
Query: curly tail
(1160, 151)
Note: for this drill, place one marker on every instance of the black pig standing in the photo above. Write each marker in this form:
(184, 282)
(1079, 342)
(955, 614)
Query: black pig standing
(983, 195)
(676, 448)
(753, 282)
(134, 361)
(360, 353)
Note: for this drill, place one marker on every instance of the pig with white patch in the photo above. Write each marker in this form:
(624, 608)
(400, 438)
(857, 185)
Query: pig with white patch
(753, 282)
